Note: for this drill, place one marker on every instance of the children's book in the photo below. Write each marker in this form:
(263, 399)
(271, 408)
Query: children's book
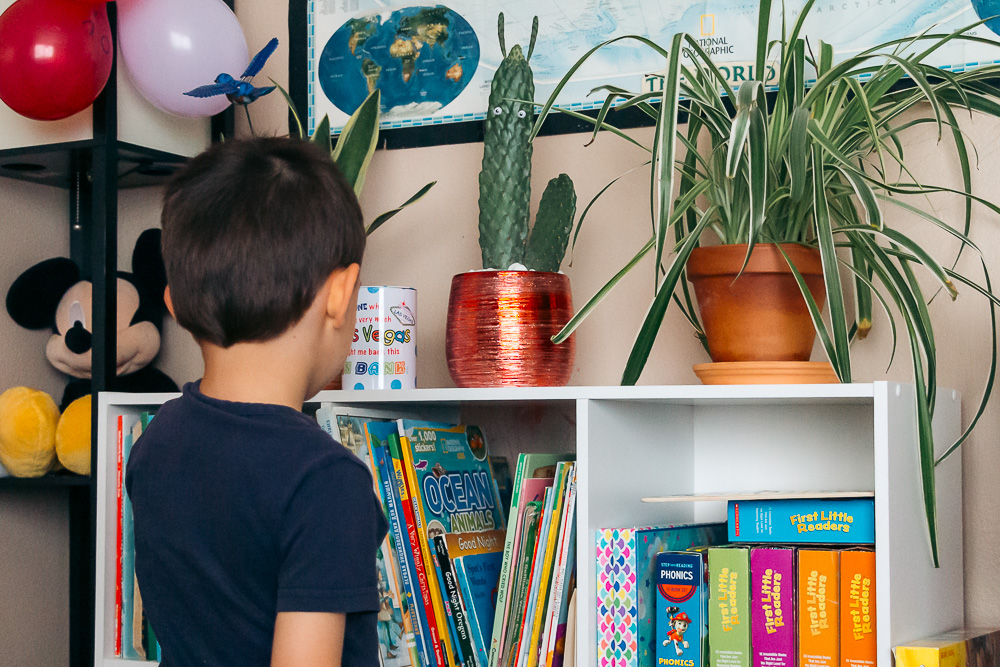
(569, 658)
(128, 560)
(772, 613)
(118, 540)
(857, 608)
(400, 638)
(476, 560)
(803, 521)
(425, 604)
(564, 472)
(529, 467)
(729, 607)
(460, 620)
(565, 561)
(680, 608)
(626, 587)
(519, 590)
(819, 608)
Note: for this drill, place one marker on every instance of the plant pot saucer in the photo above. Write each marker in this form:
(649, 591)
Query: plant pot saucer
(766, 372)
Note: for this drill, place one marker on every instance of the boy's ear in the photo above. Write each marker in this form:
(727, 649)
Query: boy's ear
(168, 301)
(343, 285)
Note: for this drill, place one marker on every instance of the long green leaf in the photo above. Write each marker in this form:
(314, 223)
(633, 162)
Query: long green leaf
(798, 152)
(663, 157)
(291, 108)
(385, 217)
(814, 314)
(654, 317)
(831, 272)
(357, 142)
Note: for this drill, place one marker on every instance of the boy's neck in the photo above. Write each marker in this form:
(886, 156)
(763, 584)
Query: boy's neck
(267, 372)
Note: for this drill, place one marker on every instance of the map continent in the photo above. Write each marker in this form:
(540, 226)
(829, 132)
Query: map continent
(420, 58)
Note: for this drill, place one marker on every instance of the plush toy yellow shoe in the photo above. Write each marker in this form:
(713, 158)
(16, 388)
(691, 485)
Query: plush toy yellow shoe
(28, 419)
(73, 436)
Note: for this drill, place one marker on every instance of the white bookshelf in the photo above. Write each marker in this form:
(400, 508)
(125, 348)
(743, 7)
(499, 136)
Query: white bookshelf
(638, 442)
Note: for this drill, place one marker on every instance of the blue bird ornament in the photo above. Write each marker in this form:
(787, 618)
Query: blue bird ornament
(240, 91)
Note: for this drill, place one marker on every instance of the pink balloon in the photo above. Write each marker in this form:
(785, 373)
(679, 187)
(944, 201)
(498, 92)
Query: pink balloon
(173, 46)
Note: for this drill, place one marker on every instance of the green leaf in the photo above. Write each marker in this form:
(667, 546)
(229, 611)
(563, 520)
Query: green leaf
(814, 314)
(831, 272)
(385, 217)
(321, 137)
(291, 107)
(357, 142)
(798, 152)
(665, 151)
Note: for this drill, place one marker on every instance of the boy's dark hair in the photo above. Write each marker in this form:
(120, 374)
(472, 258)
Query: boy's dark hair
(251, 229)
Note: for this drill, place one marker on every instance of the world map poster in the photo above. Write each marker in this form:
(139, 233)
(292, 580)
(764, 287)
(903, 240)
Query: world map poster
(434, 63)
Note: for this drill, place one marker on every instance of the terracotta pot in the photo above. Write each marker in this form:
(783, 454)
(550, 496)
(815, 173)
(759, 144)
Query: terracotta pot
(761, 316)
(499, 329)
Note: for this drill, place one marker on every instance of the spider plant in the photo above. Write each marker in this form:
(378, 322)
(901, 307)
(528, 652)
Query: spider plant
(815, 164)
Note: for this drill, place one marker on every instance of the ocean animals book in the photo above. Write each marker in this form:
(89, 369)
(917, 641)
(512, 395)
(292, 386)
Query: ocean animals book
(626, 587)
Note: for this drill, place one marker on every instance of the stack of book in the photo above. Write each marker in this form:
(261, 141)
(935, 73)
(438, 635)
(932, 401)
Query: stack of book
(535, 611)
(781, 583)
(134, 636)
(439, 566)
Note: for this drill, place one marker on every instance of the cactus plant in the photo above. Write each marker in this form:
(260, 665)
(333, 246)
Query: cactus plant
(505, 179)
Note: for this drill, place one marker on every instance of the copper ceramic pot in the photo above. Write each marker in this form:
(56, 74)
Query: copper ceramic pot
(761, 316)
(499, 328)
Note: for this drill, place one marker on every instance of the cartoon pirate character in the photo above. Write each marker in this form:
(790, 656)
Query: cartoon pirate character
(678, 626)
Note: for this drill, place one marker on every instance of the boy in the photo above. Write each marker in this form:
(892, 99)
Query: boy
(255, 535)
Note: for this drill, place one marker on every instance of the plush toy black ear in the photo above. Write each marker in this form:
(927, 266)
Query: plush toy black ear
(34, 296)
(149, 276)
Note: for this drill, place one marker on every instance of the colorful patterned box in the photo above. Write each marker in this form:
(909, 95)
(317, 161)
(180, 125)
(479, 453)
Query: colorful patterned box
(626, 587)
(729, 607)
(680, 609)
(772, 613)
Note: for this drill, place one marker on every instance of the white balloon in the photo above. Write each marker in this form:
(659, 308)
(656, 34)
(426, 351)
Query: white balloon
(173, 46)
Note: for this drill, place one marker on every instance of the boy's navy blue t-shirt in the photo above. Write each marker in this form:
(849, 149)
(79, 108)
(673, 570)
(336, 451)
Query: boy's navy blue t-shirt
(244, 510)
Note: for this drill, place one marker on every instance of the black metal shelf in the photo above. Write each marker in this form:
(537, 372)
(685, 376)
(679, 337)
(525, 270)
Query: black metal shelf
(60, 164)
(51, 480)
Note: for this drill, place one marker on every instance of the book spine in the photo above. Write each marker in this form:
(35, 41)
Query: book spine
(440, 617)
(857, 609)
(524, 571)
(803, 521)
(566, 533)
(387, 478)
(772, 614)
(729, 608)
(544, 526)
(469, 604)
(425, 604)
(819, 608)
(538, 617)
(503, 587)
(127, 580)
(454, 601)
(118, 539)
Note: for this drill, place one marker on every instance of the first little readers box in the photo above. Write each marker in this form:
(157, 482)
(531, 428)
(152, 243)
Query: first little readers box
(803, 521)
(968, 647)
(680, 609)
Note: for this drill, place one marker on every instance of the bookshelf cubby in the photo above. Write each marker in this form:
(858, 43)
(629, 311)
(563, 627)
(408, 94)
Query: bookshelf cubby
(638, 442)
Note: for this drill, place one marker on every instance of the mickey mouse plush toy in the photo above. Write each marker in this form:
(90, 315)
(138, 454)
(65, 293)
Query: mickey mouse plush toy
(53, 294)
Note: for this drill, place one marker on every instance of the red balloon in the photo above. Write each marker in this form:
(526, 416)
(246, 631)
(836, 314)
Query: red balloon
(55, 56)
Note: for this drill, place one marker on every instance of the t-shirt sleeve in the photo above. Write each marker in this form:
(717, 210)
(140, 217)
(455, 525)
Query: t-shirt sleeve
(330, 534)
